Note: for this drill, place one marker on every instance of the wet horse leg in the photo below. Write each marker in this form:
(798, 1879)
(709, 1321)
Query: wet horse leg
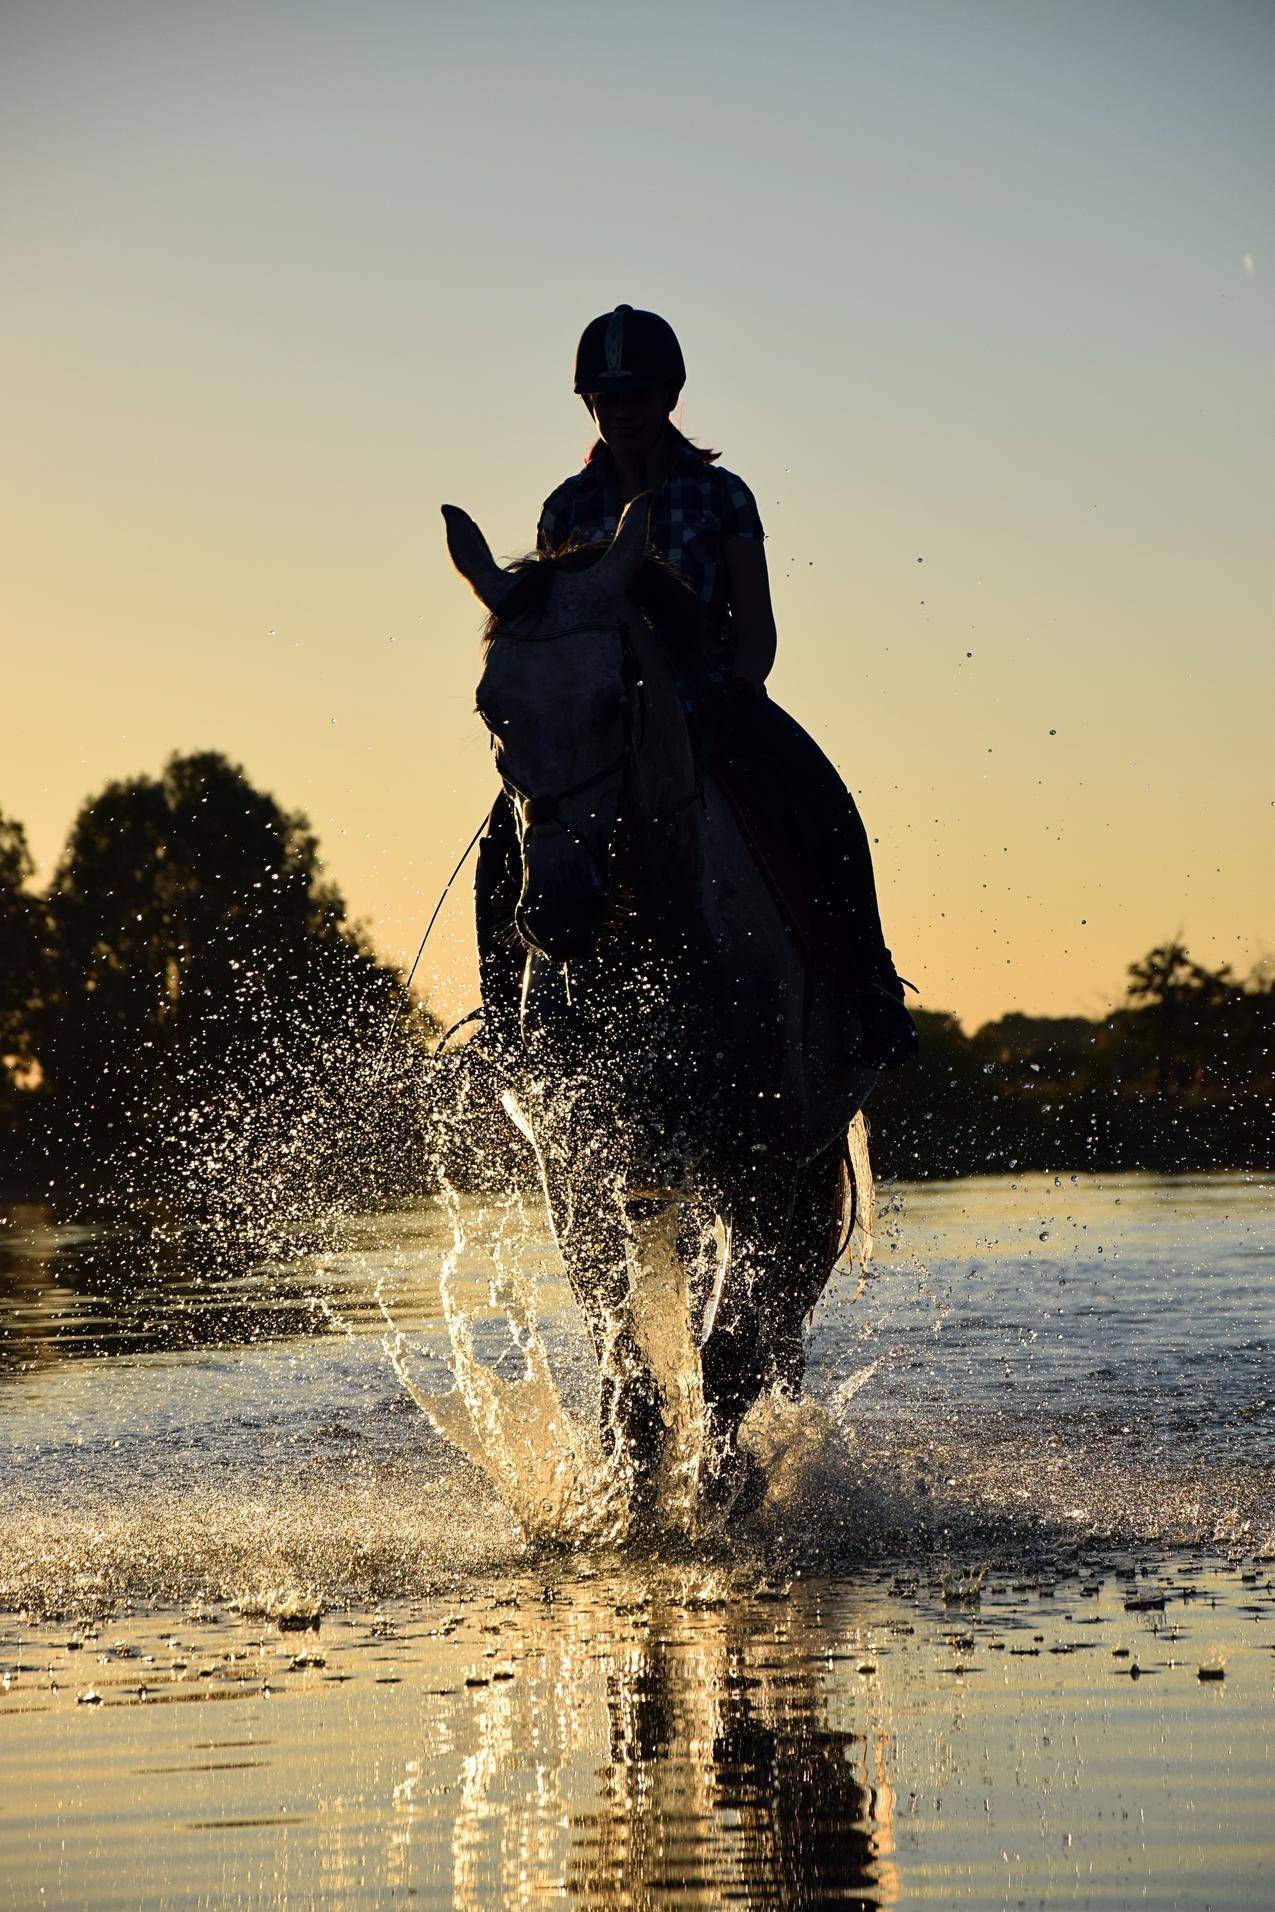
(781, 1258)
(808, 1259)
(594, 1237)
(737, 1357)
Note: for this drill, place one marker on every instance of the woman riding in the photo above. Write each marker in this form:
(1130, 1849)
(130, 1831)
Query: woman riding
(704, 525)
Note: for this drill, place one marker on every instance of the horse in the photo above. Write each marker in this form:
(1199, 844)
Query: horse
(686, 1078)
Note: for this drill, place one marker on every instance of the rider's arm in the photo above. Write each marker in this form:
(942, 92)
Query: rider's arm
(752, 618)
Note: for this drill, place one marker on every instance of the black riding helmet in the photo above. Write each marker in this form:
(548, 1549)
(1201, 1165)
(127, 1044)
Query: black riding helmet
(625, 349)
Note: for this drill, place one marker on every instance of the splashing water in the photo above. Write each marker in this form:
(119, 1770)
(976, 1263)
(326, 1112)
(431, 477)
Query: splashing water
(544, 1466)
(990, 1396)
(548, 1468)
(551, 1471)
(289, 1168)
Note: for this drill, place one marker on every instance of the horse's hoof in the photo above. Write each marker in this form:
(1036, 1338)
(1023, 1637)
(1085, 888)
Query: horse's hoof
(752, 1488)
(737, 1488)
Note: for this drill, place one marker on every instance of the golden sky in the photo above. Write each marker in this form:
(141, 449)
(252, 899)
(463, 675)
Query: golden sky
(975, 296)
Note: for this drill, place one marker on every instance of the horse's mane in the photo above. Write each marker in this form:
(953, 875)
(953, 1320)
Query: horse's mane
(669, 605)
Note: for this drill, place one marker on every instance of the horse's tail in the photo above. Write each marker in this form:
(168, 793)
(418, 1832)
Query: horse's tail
(857, 1192)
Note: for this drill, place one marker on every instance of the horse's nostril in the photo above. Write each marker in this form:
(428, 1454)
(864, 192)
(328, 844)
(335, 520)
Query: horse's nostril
(525, 927)
(560, 930)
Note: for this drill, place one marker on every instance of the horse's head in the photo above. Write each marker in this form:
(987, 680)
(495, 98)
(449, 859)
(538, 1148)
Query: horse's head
(558, 694)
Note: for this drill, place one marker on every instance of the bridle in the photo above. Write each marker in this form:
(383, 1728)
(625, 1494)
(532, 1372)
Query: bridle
(539, 808)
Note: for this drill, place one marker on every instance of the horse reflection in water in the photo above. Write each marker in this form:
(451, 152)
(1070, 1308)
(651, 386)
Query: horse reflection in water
(719, 1775)
(654, 1751)
(686, 1082)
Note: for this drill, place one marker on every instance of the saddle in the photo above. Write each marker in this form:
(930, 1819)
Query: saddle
(772, 852)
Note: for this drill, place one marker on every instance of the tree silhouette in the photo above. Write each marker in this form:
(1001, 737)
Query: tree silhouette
(1181, 1017)
(1180, 1078)
(207, 989)
(1166, 979)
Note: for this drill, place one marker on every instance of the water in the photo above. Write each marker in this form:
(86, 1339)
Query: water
(1049, 1410)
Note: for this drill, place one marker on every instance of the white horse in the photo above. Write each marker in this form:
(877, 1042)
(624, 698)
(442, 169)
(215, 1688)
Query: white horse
(686, 1080)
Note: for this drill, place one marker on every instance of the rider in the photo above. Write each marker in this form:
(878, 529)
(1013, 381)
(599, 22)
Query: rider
(704, 524)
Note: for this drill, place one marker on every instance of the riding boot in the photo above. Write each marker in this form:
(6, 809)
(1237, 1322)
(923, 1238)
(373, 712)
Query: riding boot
(500, 955)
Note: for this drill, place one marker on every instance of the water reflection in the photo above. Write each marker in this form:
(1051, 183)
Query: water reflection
(68, 1291)
(742, 1762)
(726, 1772)
(130, 1284)
(671, 1738)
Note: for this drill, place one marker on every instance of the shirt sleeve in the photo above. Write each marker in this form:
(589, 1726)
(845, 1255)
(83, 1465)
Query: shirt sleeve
(740, 516)
(552, 528)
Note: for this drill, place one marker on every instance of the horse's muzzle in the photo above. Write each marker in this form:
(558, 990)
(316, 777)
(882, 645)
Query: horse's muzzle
(564, 919)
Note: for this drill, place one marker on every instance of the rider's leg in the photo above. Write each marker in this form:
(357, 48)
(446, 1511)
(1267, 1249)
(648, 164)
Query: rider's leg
(496, 885)
(807, 790)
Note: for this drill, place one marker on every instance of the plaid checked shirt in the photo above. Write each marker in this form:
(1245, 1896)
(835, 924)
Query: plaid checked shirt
(696, 509)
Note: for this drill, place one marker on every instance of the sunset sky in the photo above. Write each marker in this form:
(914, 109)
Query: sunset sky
(977, 297)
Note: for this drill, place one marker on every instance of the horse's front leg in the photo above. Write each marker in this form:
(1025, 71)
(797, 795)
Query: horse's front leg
(808, 1256)
(751, 1328)
(603, 1256)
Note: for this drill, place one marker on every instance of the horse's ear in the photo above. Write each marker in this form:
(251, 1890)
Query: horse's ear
(614, 573)
(471, 554)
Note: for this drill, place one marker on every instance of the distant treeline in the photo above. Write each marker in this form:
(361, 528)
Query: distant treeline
(187, 1007)
(1180, 1078)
